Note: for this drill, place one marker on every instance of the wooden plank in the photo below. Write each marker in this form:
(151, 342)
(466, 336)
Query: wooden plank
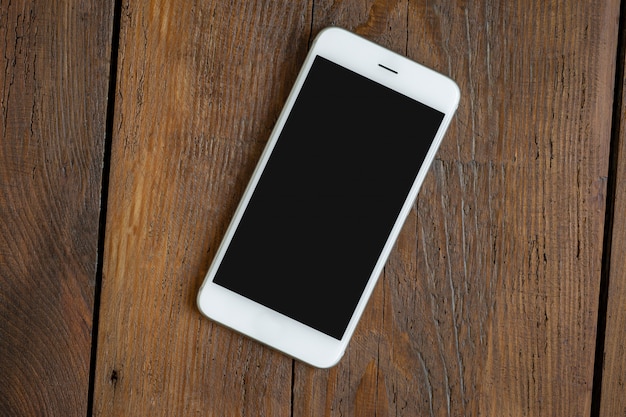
(54, 80)
(489, 302)
(200, 85)
(612, 401)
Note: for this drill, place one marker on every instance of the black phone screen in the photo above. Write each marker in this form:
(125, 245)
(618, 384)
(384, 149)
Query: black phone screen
(328, 198)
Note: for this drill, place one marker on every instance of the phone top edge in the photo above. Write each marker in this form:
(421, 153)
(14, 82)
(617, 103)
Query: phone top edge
(368, 59)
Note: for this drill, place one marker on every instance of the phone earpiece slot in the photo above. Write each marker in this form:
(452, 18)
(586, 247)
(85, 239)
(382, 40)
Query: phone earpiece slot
(387, 68)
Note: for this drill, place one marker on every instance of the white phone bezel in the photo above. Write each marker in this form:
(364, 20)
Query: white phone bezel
(268, 326)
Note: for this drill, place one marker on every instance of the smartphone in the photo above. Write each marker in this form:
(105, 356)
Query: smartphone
(328, 197)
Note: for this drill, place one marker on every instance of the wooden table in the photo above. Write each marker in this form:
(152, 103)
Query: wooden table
(129, 130)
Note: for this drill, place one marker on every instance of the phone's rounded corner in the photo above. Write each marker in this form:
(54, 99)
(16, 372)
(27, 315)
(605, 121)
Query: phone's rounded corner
(199, 303)
(456, 92)
(329, 32)
(334, 362)
(451, 90)
(329, 361)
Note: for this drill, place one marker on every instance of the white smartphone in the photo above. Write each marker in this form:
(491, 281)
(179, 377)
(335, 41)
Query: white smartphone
(328, 197)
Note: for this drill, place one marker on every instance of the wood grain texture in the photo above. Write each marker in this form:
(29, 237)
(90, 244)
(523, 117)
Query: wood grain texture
(613, 401)
(200, 85)
(488, 303)
(53, 78)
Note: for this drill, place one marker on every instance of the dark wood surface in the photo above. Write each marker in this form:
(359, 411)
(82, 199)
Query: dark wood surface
(614, 366)
(54, 80)
(490, 301)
